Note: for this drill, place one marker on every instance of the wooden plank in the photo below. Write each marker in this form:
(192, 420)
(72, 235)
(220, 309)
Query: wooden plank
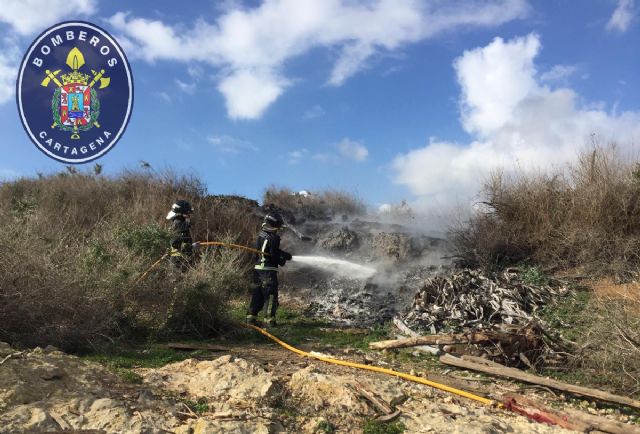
(460, 338)
(193, 347)
(603, 424)
(516, 374)
(482, 361)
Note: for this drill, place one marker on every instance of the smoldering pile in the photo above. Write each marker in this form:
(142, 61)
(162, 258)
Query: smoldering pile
(470, 298)
(494, 315)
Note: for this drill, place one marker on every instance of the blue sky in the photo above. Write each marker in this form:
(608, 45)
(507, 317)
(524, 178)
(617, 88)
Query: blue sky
(391, 100)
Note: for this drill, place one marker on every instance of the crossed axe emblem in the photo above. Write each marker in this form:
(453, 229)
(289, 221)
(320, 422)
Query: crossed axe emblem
(75, 60)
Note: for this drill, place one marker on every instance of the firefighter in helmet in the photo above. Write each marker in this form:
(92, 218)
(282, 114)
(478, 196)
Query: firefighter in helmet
(265, 273)
(182, 245)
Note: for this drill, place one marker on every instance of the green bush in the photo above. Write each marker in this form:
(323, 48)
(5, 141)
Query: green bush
(372, 426)
(150, 240)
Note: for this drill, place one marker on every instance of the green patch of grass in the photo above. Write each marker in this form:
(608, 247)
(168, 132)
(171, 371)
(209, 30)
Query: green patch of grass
(326, 427)
(297, 328)
(534, 276)
(567, 314)
(147, 356)
(200, 406)
(128, 375)
(372, 426)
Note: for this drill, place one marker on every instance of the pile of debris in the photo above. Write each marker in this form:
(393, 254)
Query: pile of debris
(469, 298)
(493, 315)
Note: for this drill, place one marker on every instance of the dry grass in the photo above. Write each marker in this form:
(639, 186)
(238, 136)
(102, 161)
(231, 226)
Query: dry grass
(610, 345)
(324, 205)
(73, 244)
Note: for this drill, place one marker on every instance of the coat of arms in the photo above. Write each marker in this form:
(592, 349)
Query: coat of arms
(75, 105)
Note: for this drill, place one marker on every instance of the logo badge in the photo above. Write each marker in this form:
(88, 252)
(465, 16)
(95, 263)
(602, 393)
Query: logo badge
(75, 92)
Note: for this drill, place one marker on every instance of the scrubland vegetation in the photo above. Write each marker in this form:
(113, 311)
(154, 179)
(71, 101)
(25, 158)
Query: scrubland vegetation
(323, 205)
(583, 221)
(72, 246)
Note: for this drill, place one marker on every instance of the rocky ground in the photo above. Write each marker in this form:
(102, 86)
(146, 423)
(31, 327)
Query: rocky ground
(249, 390)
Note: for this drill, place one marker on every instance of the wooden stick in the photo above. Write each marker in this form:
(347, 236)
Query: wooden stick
(188, 347)
(604, 424)
(16, 354)
(378, 403)
(59, 420)
(404, 328)
(460, 338)
(517, 374)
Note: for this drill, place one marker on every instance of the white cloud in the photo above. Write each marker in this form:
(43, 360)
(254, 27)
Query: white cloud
(559, 73)
(9, 59)
(295, 156)
(515, 120)
(189, 88)
(353, 150)
(250, 46)
(230, 145)
(622, 16)
(314, 112)
(248, 93)
(164, 95)
(30, 16)
(26, 17)
(494, 80)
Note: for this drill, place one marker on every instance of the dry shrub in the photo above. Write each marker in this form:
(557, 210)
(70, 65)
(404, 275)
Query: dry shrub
(324, 205)
(587, 214)
(610, 345)
(72, 246)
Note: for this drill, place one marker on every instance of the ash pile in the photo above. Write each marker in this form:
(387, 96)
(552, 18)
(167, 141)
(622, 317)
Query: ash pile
(359, 303)
(402, 258)
(471, 302)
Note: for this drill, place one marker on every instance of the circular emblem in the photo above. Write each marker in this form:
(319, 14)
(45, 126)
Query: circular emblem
(75, 92)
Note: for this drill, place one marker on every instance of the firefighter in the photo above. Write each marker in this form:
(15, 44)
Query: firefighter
(182, 245)
(265, 273)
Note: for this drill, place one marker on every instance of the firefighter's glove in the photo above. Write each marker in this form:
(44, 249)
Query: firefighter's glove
(195, 246)
(287, 256)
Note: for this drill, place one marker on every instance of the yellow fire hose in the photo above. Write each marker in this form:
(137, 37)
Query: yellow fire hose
(202, 243)
(391, 372)
(236, 246)
(143, 275)
(336, 361)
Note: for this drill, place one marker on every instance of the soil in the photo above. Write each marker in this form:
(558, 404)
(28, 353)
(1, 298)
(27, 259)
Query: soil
(259, 389)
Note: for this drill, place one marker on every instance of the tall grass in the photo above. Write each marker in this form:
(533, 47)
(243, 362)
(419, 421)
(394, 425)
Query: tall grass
(72, 246)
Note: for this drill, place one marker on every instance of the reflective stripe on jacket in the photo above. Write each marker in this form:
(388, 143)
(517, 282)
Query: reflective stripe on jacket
(269, 243)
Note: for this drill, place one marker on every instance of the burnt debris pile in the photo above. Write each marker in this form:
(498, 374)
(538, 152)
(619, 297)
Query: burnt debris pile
(491, 315)
(470, 298)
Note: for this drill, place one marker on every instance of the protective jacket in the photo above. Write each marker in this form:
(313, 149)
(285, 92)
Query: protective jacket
(269, 244)
(181, 240)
